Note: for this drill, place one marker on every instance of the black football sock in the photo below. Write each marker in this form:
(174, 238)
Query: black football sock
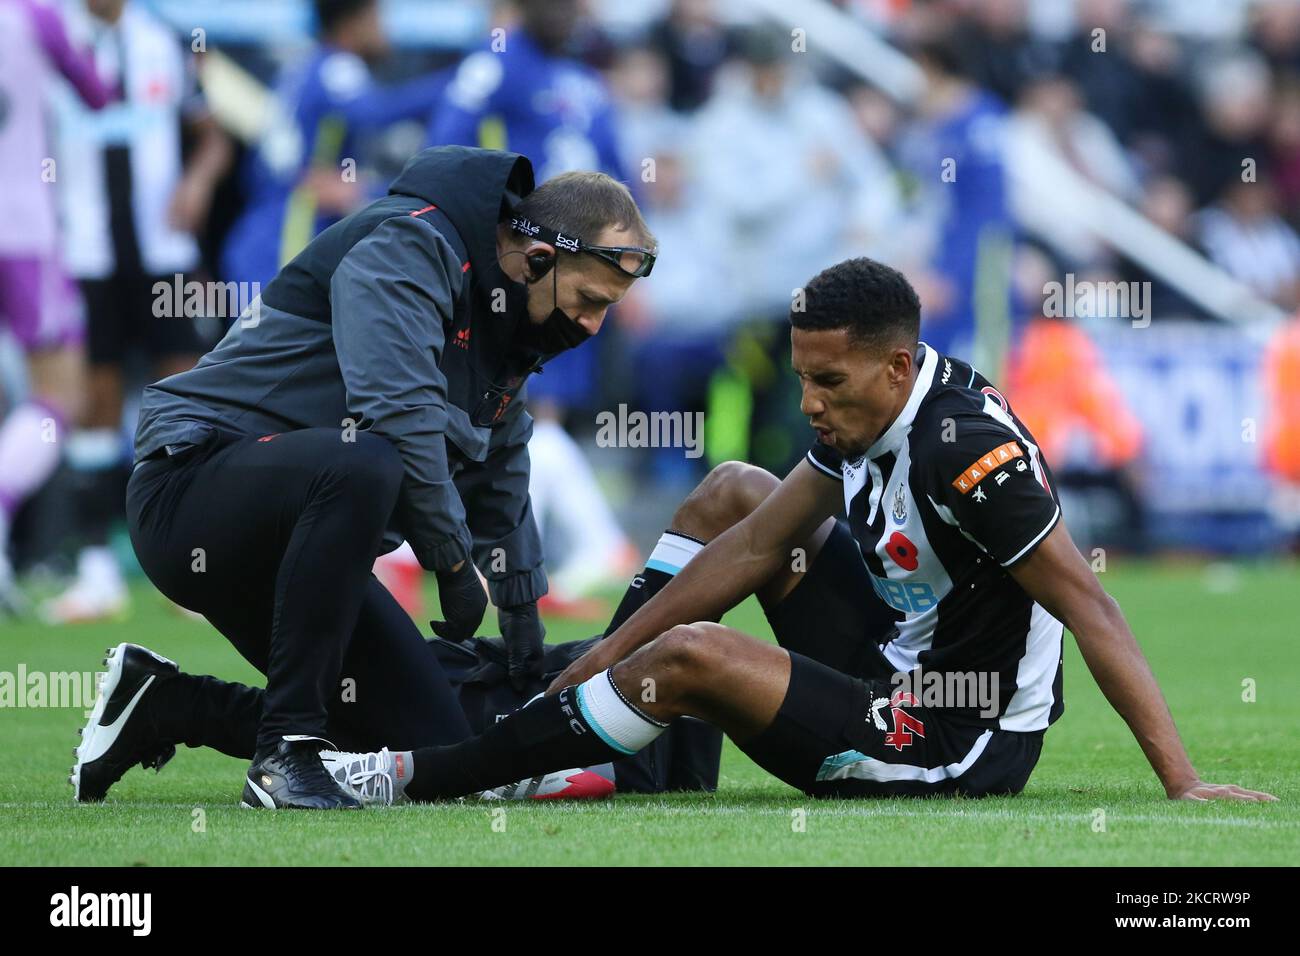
(669, 556)
(201, 711)
(101, 504)
(588, 724)
(99, 482)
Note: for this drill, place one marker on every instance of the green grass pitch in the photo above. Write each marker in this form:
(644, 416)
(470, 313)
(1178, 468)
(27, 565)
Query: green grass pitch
(1092, 800)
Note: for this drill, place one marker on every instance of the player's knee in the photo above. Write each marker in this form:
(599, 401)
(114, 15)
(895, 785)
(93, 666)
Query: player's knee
(685, 656)
(726, 496)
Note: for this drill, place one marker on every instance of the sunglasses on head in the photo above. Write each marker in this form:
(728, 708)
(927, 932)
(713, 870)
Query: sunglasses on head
(634, 261)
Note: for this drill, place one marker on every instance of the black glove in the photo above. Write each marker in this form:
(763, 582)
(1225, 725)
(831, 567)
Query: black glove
(463, 603)
(523, 633)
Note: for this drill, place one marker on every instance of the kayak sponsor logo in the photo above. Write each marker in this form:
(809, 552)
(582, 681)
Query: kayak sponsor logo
(979, 469)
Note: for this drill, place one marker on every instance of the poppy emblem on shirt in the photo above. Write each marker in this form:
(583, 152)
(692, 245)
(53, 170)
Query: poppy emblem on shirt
(902, 551)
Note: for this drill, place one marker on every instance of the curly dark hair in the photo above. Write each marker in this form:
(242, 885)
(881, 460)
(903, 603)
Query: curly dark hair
(876, 304)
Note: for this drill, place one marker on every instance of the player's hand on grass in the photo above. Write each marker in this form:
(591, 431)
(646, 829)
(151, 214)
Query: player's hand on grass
(463, 602)
(1201, 790)
(523, 632)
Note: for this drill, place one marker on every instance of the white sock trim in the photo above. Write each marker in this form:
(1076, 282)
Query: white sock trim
(615, 721)
(673, 552)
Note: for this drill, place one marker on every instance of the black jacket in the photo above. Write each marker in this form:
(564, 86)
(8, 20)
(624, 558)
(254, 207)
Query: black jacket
(386, 322)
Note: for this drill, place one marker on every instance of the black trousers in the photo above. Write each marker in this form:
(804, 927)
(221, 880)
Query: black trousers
(272, 539)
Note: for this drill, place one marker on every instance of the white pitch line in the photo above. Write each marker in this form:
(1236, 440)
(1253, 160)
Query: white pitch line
(1002, 815)
(812, 809)
(999, 816)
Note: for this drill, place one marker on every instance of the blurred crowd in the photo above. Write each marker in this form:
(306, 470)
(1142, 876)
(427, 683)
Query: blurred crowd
(758, 159)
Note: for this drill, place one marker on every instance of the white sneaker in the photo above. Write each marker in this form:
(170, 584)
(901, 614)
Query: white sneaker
(98, 594)
(369, 777)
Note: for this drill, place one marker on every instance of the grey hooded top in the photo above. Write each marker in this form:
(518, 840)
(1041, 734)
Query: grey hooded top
(386, 322)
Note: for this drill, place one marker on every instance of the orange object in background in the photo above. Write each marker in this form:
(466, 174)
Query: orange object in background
(1057, 385)
(1282, 388)
(400, 572)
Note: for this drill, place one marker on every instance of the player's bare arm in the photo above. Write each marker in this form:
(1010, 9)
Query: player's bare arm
(1056, 576)
(734, 565)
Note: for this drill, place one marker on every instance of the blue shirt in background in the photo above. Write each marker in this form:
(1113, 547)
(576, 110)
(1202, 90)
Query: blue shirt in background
(321, 108)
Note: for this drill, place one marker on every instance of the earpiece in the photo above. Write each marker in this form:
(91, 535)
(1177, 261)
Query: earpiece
(539, 258)
(540, 263)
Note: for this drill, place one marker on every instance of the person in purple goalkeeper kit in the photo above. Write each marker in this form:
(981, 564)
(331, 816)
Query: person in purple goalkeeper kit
(132, 202)
(38, 302)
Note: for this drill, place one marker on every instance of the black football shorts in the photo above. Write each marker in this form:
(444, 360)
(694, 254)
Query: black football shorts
(842, 736)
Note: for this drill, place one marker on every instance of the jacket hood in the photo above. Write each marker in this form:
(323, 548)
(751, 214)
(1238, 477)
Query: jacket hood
(470, 185)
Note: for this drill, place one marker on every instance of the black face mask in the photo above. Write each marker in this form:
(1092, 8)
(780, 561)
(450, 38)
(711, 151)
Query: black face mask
(558, 333)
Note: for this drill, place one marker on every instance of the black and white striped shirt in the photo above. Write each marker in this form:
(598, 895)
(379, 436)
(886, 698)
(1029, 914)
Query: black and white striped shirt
(950, 496)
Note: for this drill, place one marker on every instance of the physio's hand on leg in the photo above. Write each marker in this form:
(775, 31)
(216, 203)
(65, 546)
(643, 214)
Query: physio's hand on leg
(463, 602)
(523, 633)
